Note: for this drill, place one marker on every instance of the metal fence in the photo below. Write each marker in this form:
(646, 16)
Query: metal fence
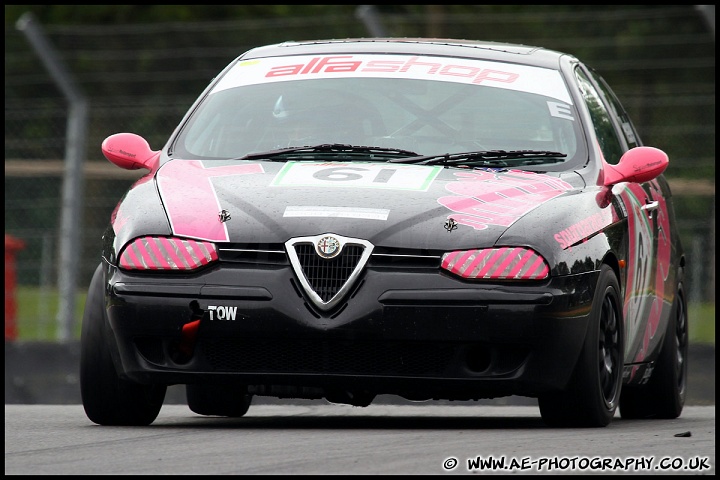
(142, 78)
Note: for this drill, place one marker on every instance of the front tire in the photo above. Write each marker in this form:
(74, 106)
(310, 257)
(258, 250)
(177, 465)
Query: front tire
(592, 395)
(107, 398)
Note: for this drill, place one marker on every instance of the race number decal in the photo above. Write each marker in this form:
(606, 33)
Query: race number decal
(356, 174)
(649, 263)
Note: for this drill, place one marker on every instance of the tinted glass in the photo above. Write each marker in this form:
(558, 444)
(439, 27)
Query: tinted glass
(427, 115)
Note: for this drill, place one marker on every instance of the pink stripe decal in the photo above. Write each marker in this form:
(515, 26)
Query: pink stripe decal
(159, 255)
(163, 253)
(189, 257)
(489, 198)
(146, 261)
(537, 270)
(458, 267)
(480, 255)
(202, 251)
(169, 248)
(210, 251)
(493, 258)
(190, 199)
(514, 271)
(498, 273)
(497, 263)
(129, 254)
(448, 259)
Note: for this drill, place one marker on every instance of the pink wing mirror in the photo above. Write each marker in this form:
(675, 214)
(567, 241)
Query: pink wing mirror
(637, 165)
(130, 151)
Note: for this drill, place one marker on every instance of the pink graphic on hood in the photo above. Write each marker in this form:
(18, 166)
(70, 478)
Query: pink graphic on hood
(190, 200)
(490, 198)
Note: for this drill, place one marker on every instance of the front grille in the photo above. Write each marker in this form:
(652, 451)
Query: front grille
(329, 357)
(327, 266)
(405, 258)
(253, 253)
(328, 276)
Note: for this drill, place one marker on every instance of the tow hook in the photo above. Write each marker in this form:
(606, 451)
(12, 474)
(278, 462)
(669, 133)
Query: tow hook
(188, 334)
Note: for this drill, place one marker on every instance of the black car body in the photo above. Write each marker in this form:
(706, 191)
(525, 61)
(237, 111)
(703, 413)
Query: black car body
(434, 219)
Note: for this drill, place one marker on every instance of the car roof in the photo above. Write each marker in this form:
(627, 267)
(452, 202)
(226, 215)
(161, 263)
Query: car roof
(486, 50)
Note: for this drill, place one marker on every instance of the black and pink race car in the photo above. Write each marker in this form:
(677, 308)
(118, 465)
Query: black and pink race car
(426, 218)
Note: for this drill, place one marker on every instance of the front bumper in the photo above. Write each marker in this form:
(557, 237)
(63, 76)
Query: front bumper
(420, 335)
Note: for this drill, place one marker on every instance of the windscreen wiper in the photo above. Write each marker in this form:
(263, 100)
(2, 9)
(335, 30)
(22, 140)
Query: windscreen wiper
(333, 149)
(494, 158)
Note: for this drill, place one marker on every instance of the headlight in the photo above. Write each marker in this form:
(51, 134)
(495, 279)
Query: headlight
(167, 253)
(503, 263)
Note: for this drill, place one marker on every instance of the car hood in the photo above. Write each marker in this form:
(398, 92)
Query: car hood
(389, 204)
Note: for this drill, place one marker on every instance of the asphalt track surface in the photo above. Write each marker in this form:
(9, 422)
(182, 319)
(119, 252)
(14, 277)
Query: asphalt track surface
(325, 439)
(47, 433)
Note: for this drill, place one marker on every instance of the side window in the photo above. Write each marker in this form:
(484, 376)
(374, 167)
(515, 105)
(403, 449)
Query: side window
(628, 129)
(610, 144)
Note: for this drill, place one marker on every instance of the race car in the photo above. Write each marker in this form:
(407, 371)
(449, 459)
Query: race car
(432, 219)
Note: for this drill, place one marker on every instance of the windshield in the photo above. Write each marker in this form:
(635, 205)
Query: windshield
(420, 111)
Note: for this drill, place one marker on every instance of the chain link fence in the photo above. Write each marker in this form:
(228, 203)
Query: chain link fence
(143, 78)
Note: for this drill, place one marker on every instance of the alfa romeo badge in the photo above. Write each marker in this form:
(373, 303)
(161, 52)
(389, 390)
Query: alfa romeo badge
(328, 246)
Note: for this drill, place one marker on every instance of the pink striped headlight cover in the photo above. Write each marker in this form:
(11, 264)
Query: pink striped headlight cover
(167, 253)
(502, 263)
